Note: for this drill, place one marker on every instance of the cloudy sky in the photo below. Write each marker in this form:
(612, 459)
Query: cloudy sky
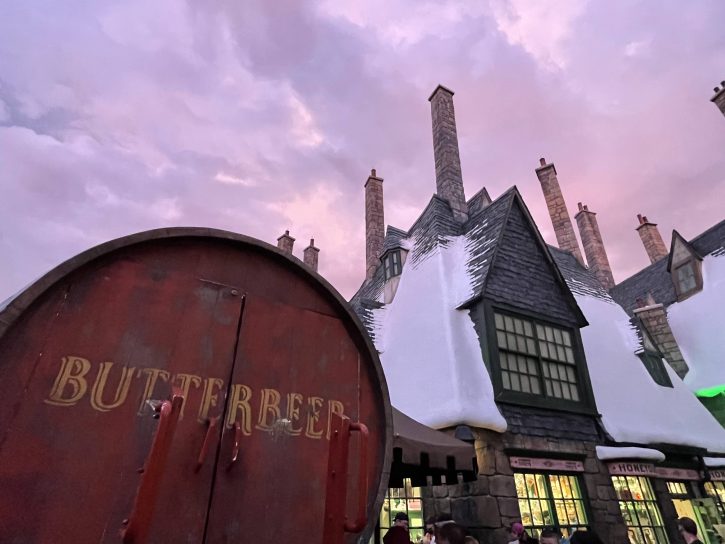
(260, 116)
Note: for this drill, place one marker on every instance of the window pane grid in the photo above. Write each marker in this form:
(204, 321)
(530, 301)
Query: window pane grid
(403, 499)
(550, 500)
(639, 510)
(716, 490)
(536, 358)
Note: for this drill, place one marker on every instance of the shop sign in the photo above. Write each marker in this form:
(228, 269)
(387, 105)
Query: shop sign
(677, 473)
(717, 475)
(631, 469)
(538, 463)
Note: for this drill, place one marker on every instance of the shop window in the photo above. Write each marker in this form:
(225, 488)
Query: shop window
(550, 500)
(716, 490)
(678, 490)
(537, 359)
(402, 499)
(640, 510)
(392, 264)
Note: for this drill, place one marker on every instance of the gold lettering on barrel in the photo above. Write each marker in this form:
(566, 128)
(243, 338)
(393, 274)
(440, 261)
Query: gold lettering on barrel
(239, 402)
(294, 400)
(153, 375)
(72, 374)
(333, 407)
(209, 398)
(313, 417)
(121, 390)
(268, 405)
(184, 382)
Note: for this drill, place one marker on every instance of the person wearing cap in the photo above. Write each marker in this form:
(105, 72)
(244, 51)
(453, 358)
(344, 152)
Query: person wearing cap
(398, 533)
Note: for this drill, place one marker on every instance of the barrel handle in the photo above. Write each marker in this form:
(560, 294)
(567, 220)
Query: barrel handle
(362, 485)
(212, 422)
(237, 442)
(139, 521)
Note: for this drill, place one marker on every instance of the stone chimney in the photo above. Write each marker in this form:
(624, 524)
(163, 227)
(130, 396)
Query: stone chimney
(594, 246)
(449, 180)
(285, 243)
(565, 237)
(311, 255)
(374, 223)
(650, 235)
(719, 98)
(654, 317)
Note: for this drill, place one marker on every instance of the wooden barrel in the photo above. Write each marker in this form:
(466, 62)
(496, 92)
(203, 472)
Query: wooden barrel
(186, 386)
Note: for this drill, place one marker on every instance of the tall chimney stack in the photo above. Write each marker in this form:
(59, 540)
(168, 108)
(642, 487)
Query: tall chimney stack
(650, 235)
(719, 98)
(565, 237)
(449, 180)
(594, 246)
(285, 243)
(374, 223)
(311, 255)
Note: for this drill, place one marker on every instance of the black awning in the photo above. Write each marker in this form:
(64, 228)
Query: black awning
(420, 452)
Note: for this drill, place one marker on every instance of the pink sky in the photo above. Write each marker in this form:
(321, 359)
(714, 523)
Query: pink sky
(261, 116)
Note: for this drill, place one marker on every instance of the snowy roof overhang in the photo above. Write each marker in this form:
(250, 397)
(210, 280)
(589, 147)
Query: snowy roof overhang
(611, 453)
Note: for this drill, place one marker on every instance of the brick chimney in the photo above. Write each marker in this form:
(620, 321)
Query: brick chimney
(654, 317)
(594, 246)
(285, 243)
(311, 255)
(719, 98)
(449, 180)
(650, 235)
(374, 223)
(565, 237)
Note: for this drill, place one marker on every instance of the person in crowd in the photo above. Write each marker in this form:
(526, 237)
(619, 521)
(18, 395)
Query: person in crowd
(429, 536)
(519, 535)
(688, 530)
(398, 533)
(450, 533)
(550, 536)
(585, 537)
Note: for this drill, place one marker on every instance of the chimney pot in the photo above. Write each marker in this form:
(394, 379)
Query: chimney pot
(722, 83)
(373, 173)
(580, 206)
(716, 89)
(374, 224)
(560, 220)
(449, 179)
(645, 219)
(639, 218)
(594, 247)
(311, 255)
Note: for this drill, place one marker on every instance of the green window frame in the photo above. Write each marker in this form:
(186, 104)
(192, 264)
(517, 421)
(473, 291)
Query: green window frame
(537, 358)
(640, 510)
(551, 500)
(402, 499)
(656, 367)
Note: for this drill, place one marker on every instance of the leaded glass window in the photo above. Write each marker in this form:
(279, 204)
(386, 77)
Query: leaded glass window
(536, 358)
(392, 264)
(550, 500)
(686, 277)
(403, 499)
(640, 510)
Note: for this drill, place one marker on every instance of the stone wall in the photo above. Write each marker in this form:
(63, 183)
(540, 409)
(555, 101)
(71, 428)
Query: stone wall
(489, 505)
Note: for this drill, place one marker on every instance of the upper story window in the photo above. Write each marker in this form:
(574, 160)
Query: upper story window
(537, 358)
(685, 266)
(686, 277)
(392, 264)
(652, 360)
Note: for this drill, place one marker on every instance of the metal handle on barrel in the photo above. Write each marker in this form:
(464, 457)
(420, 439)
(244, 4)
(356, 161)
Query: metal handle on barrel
(362, 485)
(207, 442)
(140, 519)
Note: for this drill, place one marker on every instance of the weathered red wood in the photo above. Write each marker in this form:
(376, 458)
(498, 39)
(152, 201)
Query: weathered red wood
(129, 319)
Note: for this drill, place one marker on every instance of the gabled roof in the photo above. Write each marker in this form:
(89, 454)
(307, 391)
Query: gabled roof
(677, 237)
(656, 280)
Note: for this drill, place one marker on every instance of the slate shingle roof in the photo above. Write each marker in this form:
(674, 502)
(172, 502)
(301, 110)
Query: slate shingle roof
(655, 279)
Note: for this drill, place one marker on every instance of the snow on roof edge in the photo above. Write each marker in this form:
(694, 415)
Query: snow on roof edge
(609, 453)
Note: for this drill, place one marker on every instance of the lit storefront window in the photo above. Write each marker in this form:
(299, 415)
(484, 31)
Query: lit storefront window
(403, 499)
(639, 510)
(716, 490)
(550, 500)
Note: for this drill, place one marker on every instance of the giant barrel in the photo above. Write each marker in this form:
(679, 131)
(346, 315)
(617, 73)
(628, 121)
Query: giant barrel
(188, 386)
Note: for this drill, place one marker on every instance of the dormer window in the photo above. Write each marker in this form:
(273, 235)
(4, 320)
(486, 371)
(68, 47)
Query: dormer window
(392, 264)
(685, 275)
(685, 267)
(652, 359)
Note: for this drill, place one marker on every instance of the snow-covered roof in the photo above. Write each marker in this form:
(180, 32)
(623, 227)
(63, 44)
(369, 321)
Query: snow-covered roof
(634, 408)
(698, 324)
(610, 453)
(433, 359)
(714, 462)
